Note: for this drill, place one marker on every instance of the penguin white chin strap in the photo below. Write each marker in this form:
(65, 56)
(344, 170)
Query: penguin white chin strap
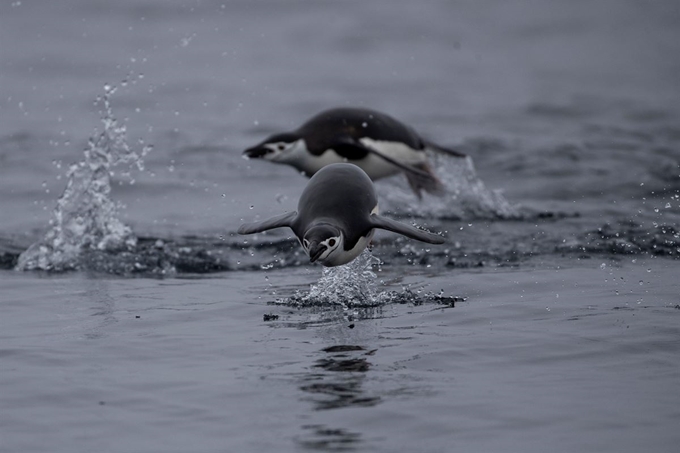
(332, 244)
(329, 246)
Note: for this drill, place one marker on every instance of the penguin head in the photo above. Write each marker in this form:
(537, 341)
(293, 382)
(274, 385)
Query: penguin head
(323, 243)
(277, 148)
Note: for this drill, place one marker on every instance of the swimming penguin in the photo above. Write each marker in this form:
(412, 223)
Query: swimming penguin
(336, 217)
(376, 142)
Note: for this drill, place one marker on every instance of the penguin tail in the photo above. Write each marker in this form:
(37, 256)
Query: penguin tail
(424, 180)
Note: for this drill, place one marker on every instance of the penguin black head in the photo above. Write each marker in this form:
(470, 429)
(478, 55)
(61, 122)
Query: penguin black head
(323, 242)
(277, 147)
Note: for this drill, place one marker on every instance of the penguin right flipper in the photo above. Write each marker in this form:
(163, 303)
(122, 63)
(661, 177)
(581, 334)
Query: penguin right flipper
(384, 223)
(350, 150)
(420, 177)
(283, 220)
(441, 149)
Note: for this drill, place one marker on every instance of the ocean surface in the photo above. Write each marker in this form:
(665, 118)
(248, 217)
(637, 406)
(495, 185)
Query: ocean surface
(134, 319)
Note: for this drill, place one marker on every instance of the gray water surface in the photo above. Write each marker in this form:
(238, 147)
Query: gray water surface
(548, 320)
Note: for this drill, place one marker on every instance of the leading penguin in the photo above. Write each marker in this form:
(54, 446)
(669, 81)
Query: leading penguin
(337, 216)
(381, 145)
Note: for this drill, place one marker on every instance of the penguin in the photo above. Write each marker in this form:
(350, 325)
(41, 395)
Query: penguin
(336, 217)
(381, 145)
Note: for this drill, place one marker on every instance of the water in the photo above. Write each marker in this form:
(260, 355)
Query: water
(135, 319)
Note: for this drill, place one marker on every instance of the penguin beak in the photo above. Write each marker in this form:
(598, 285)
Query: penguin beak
(256, 152)
(315, 251)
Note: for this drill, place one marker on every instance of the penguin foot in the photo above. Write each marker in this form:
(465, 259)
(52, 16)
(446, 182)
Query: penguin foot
(425, 180)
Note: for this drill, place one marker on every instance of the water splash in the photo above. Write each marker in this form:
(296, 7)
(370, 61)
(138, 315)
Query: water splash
(350, 285)
(466, 194)
(354, 286)
(85, 218)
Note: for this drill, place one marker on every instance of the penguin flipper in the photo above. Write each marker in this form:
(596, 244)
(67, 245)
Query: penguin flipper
(384, 223)
(283, 220)
(351, 150)
(443, 150)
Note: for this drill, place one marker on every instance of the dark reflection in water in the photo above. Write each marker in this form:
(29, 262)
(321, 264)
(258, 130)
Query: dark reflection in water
(339, 384)
(321, 437)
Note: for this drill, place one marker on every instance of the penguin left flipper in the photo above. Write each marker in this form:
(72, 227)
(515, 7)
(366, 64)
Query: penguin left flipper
(283, 220)
(384, 223)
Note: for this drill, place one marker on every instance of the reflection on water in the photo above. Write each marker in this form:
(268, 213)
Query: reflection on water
(339, 384)
(323, 438)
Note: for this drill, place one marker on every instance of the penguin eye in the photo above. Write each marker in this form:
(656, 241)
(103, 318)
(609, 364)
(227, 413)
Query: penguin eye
(331, 243)
(305, 242)
(281, 146)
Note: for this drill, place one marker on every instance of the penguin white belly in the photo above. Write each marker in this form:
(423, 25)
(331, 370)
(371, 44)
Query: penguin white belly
(375, 166)
(304, 161)
(348, 255)
(316, 163)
